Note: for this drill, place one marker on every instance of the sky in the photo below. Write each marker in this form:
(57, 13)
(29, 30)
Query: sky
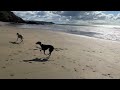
(72, 17)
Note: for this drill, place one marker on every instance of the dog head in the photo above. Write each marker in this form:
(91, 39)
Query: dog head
(38, 43)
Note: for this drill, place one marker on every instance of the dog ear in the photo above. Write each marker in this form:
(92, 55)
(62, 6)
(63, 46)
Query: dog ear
(37, 42)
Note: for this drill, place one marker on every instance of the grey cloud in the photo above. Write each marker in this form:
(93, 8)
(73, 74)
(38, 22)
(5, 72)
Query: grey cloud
(81, 15)
(70, 13)
(41, 13)
(64, 16)
(117, 17)
(74, 14)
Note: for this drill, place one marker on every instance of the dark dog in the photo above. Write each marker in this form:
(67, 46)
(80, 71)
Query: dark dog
(45, 47)
(19, 36)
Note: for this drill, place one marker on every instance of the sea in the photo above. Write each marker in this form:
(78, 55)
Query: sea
(107, 32)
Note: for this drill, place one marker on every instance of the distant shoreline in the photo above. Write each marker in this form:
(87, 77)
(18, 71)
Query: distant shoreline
(31, 22)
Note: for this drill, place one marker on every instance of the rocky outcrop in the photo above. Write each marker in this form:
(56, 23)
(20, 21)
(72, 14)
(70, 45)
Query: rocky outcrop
(39, 22)
(8, 16)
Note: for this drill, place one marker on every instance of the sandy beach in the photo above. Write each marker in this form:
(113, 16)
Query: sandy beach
(74, 57)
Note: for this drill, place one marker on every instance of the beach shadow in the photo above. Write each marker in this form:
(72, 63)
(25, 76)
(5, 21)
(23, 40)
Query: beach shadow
(38, 60)
(14, 42)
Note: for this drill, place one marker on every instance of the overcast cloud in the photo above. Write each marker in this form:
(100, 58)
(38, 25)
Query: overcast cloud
(76, 17)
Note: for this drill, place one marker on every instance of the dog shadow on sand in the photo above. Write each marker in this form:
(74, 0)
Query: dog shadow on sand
(14, 42)
(38, 60)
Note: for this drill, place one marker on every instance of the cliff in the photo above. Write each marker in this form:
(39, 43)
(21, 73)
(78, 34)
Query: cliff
(8, 16)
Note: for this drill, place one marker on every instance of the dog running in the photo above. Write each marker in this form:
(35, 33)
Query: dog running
(19, 36)
(45, 47)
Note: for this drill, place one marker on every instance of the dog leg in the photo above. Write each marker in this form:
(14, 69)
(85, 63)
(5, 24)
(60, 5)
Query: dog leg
(17, 40)
(21, 40)
(44, 52)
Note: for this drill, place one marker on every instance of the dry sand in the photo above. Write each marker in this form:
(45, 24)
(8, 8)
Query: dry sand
(75, 57)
